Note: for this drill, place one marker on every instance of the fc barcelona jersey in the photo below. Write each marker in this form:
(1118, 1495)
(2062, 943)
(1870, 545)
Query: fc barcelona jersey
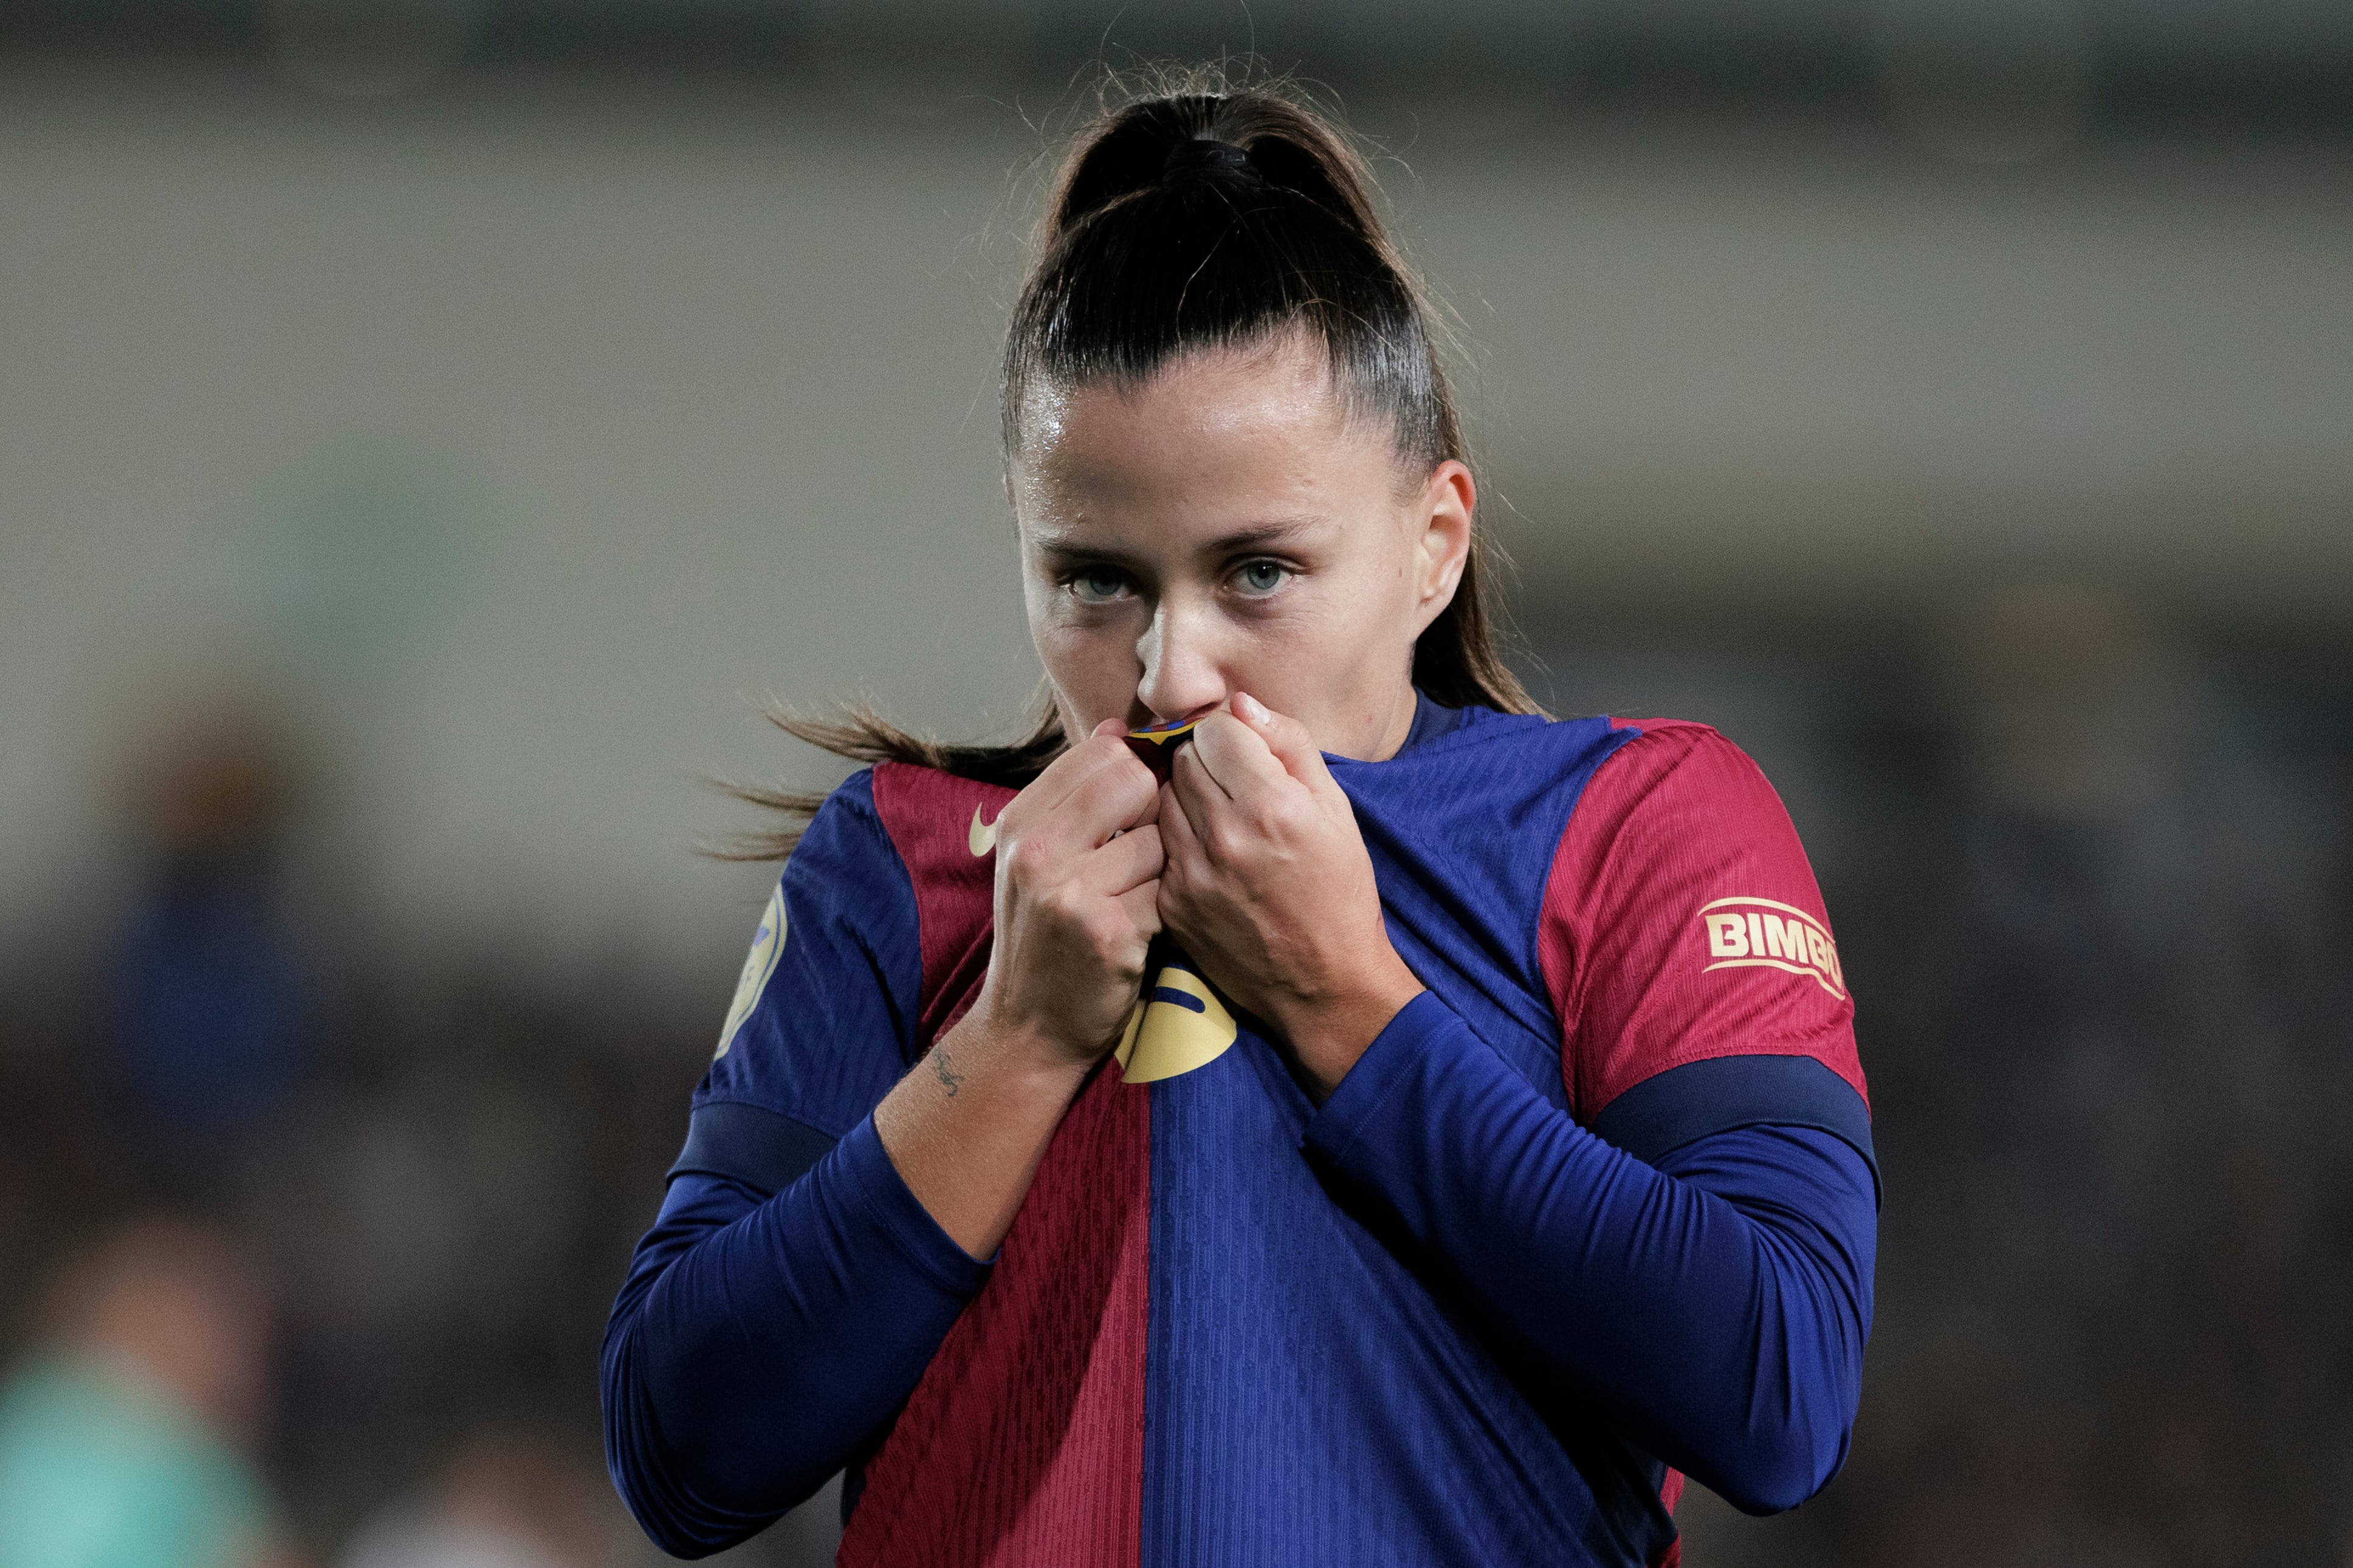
(1194, 1347)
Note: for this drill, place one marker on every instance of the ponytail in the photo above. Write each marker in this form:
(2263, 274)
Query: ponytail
(1194, 219)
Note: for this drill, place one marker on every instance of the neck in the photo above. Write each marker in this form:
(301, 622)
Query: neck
(1399, 725)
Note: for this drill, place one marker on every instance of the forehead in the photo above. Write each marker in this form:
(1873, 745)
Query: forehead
(1261, 424)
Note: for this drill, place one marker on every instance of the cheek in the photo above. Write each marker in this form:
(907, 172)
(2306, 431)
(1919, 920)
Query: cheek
(1339, 656)
(1319, 645)
(1381, 612)
(1368, 608)
(1092, 664)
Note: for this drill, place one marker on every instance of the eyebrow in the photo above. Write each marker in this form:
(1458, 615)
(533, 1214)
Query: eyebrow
(1262, 536)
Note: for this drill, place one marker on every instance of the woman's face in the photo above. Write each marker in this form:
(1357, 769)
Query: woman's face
(1227, 527)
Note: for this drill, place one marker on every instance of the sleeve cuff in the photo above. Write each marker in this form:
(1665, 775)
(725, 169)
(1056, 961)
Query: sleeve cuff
(1385, 1068)
(750, 1144)
(1717, 1094)
(883, 1197)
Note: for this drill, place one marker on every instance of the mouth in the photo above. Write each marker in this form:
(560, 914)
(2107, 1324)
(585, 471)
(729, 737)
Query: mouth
(1156, 744)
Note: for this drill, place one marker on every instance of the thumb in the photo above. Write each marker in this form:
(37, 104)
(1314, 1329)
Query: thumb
(1286, 738)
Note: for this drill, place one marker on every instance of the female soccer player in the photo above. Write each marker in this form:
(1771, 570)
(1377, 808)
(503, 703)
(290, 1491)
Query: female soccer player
(1416, 1132)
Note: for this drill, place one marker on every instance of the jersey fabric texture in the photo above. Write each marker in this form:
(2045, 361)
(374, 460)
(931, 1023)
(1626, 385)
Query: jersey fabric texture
(1596, 1209)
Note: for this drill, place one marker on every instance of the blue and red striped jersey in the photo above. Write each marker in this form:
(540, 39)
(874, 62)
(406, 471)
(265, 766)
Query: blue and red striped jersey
(1230, 1326)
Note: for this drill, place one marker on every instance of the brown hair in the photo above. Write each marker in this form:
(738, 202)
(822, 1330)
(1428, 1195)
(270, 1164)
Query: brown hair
(1160, 238)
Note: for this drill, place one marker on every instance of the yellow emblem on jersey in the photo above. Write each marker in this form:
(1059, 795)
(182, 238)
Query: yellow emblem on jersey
(1177, 1026)
(767, 946)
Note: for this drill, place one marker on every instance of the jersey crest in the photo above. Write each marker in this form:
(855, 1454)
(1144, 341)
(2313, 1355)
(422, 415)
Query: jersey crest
(1177, 1026)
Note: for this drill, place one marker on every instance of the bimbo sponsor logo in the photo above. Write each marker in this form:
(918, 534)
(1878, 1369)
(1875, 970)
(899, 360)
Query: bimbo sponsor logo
(1759, 933)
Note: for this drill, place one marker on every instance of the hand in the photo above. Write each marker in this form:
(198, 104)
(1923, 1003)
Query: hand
(1078, 867)
(1269, 889)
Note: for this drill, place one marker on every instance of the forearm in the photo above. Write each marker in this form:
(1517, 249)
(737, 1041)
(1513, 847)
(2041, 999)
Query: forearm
(760, 1342)
(967, 1129)
(1723, 1335)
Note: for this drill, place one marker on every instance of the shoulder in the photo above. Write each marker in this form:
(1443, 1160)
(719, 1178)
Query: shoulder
(847, 848)
(1485, 732)
(824, 1009)
(942, 826)
(1464, 829)
(1524, 768)
(906, 845)
(1674, 811)
(845, 826)
(1603, 815)
(1671, 765)
(1683, 920)
(1533, 779)
(927, 824)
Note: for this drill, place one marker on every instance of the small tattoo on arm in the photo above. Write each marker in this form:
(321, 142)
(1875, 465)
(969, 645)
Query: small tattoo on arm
(940, 1066)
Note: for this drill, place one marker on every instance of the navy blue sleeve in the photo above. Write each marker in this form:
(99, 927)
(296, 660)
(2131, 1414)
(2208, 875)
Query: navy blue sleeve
(792, 1290)
(824, 1017)
(762, 1340)
(1714, 1304)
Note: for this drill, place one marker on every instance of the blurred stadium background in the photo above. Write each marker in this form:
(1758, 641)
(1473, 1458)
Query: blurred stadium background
(423, 422)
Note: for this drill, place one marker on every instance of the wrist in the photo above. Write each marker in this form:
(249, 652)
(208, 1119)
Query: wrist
(1329, 1032)
(1028, 1047)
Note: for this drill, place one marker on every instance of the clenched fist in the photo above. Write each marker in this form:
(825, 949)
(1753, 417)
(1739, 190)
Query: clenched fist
(1268, 888)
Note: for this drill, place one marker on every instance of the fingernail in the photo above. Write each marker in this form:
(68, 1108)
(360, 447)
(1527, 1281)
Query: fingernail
(1250, 711)
(1110, 727)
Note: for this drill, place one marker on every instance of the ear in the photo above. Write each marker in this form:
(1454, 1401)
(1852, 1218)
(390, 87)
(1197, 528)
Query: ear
(1441, 514)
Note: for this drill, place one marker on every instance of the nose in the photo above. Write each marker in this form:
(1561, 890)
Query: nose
(1182, 674)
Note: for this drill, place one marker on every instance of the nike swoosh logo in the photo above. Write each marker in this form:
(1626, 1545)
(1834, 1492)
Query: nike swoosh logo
(982, 839)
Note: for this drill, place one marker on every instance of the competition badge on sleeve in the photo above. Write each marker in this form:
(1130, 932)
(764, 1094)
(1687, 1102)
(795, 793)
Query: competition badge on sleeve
(768, 944)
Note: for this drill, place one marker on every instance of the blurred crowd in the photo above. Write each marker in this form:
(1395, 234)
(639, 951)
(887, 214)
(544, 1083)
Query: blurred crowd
(2104, 996)
(304, 1259)
(304, 1256)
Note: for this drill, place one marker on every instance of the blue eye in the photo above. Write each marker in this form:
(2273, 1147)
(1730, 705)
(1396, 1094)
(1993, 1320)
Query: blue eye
(1097, 585)
(1262, 576)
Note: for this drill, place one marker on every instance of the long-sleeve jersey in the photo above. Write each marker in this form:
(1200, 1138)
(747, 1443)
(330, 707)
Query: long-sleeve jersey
(1596, 1210)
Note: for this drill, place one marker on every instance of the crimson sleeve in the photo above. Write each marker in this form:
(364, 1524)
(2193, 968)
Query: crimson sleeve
(1682, 924)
